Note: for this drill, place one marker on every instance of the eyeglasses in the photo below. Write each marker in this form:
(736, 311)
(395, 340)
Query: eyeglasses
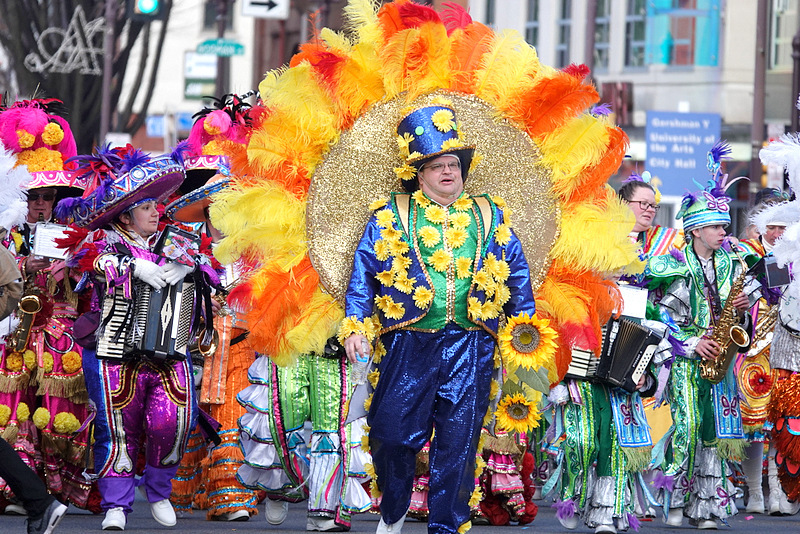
(644, 205)
(47, 197)
(439, 167)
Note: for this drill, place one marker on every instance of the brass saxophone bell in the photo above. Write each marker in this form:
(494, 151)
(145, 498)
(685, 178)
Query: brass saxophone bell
(29, 306)
(211, 347)
(739, 336)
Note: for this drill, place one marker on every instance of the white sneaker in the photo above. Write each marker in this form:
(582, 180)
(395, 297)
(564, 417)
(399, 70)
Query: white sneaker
(238, 515)
(755, 503)
(707, 524)
(15, 509)
(394, 528)
(787, 507)
(569, 523)
(675, 517)
(163, 512)
(323, 524)
(115, 519)
(605, 529)
(276, 511)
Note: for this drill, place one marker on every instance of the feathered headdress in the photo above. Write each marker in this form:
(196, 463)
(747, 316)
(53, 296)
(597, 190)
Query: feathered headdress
(332, 115)
(13, 182)
(709, 205)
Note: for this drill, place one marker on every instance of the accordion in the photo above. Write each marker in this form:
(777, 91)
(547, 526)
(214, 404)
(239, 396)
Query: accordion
(156, 323)
(628, 347)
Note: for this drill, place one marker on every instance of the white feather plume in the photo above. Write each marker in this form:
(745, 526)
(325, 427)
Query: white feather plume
(786, 212)
(13, 182)
(785, 152)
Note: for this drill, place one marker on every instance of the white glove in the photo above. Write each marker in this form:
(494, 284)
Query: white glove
(175, 272)
(149, 273)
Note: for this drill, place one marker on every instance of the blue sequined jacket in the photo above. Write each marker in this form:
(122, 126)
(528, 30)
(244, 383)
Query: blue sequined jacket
(397, 308)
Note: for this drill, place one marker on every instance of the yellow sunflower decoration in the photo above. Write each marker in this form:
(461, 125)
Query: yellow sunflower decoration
(325, 148)
(516, 413)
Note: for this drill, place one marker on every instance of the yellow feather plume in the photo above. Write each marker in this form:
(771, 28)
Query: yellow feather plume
(563, 302)
(506, 69)
(266, 219)
(319, 321)
(361, 18)
(394, 60)
(569, 150)
(360, 84)
(610, 219)
(335, 40)
(297, 94)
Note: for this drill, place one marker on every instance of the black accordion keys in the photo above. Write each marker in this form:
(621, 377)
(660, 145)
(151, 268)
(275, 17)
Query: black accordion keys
(156, 323)
(628, 348)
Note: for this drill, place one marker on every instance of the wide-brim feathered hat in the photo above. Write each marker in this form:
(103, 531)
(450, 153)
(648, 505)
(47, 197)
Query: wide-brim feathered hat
(190, 207)
(42, 140)
(426, 133)
(710, 205)
(122, 177)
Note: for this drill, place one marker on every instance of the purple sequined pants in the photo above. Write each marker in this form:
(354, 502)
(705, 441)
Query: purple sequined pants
(138, 402)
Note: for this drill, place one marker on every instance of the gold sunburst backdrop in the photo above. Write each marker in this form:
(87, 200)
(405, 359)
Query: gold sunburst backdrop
(359, 169)
(325, 148)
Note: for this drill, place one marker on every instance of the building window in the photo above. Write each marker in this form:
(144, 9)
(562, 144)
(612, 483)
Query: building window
(210, 16)
(602, 23)
(783, 25)
(490, 12)
(532, 23)
(564, 31)
(635, 32)
(682, 32)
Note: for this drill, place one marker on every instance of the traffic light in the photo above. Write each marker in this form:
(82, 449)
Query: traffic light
(146, 10)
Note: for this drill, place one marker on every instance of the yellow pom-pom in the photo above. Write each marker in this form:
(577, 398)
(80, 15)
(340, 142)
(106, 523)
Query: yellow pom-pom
(25, 139)
(211, 129)
(14, 362)
(53, 134)
(370, 470)
(66, 423)
(30, 359)
(41, 159)
(41, 418)
(5, 414)
(71, 362)
(23, 412)
(47, 359)
(365, 443)
(476, 497)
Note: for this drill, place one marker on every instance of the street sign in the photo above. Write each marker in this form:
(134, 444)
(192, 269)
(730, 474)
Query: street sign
(156, 125)
(199, 75)
(677, 144)
(266, 9)
(221, 47)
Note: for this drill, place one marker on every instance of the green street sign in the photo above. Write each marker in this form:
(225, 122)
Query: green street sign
(221, 47)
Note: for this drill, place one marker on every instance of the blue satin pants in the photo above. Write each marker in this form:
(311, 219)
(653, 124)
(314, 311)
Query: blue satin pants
(430, 381)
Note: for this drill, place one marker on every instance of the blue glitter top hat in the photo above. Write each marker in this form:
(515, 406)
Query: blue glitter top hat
(429, 132)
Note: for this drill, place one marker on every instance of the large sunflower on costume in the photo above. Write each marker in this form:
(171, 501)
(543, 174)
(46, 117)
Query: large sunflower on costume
(326, 148)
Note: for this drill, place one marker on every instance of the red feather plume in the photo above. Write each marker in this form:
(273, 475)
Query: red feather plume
(455, 16)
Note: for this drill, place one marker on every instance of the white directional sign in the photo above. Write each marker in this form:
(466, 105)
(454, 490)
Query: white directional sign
(266, 9)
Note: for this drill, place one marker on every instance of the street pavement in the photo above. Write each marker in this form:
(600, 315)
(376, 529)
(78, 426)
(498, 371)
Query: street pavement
(81, 522)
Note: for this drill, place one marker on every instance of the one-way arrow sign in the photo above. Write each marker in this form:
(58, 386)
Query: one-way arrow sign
(266, 9)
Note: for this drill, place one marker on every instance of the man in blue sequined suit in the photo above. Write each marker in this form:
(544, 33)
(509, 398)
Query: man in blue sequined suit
(431, 275)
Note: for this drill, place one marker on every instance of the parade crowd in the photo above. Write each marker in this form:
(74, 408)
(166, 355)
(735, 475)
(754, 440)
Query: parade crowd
(174, 323)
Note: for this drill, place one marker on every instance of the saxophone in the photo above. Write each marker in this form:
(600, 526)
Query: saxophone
(727, 333)
(28, 306)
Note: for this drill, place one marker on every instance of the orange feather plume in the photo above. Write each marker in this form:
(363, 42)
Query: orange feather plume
(390, 20)
(593, 178)
(551, 102)
(466, 51)
(276, 297)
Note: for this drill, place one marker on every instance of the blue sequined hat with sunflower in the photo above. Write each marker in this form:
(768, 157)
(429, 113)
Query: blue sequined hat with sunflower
(427, 133)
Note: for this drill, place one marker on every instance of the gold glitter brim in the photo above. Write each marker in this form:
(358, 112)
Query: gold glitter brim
(360, 169)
